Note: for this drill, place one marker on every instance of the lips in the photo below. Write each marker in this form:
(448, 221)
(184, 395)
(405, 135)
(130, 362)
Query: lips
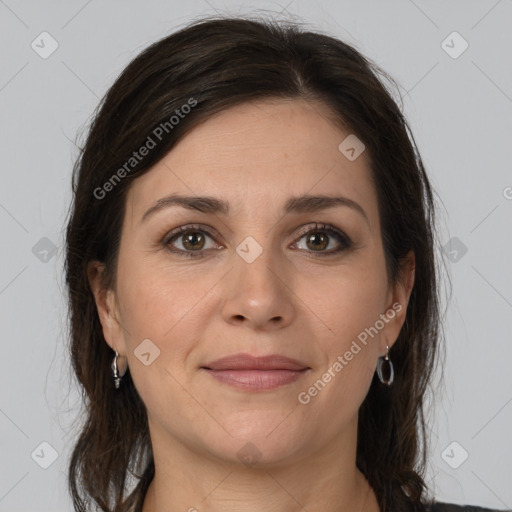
(250, 373)
(248, 362)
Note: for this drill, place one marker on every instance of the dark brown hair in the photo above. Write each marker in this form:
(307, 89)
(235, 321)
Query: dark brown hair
(220, 63)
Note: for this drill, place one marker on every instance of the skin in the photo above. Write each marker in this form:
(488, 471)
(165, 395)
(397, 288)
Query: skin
(290, 300)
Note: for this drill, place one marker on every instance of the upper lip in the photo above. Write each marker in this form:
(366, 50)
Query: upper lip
(248, 362)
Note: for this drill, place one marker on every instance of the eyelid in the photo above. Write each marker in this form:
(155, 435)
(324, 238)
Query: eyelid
(210, 231)
(320, 226)
(175, 233)
(345, 241)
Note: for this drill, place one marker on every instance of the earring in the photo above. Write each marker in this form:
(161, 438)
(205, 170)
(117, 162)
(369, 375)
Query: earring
(388, 369)
(115, 371)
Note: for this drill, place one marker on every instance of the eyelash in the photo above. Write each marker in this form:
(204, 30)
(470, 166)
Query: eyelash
(342, 238)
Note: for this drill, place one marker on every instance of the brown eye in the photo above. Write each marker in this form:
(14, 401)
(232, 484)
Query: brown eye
(317, 241)
(188, 241)
(193, 240)
(322, 237)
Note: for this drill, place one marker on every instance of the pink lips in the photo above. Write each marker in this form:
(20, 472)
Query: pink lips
(246, 372)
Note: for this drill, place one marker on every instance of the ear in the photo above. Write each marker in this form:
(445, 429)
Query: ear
(398, 299)
(107, 307)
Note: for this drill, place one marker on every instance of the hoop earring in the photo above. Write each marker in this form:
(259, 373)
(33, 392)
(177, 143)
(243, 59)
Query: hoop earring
(115, 371)
(389, 371)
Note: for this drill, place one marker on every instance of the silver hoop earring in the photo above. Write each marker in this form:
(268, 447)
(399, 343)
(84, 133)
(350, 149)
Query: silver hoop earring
(115, 371)
(385, 369)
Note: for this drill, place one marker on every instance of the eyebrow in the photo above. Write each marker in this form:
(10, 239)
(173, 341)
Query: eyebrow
(207, 204)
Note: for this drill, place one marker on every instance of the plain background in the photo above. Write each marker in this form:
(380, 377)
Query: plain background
(460, 112)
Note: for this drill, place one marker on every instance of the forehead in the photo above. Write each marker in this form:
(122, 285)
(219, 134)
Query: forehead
(256, 154)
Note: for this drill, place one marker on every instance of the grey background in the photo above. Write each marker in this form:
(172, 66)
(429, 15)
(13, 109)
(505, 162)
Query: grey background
(460, 112)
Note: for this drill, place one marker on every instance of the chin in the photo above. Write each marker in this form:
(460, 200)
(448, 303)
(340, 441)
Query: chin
(268, 440)
(258, 452)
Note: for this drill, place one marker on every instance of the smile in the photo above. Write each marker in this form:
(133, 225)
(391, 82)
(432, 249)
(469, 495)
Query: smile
(256, 373)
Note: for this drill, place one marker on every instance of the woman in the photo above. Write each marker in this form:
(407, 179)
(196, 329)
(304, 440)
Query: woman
(253, 292)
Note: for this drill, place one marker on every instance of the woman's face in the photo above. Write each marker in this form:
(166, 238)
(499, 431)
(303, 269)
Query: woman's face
(259, 275)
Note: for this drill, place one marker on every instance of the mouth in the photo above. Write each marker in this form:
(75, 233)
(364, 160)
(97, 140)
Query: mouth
(250, 373)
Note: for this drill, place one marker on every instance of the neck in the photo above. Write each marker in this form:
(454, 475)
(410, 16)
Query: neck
(326, 479)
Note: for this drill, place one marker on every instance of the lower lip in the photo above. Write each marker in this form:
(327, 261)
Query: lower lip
(255, 380)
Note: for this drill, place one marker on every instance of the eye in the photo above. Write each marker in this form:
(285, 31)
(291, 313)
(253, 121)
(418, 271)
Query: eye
(188, 241)
(192, 240)
(320, 237)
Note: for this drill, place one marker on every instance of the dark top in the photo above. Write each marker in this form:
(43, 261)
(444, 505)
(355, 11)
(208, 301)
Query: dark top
(450, 507)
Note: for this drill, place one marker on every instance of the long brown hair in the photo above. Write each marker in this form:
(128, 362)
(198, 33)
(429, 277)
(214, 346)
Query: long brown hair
(219, 63)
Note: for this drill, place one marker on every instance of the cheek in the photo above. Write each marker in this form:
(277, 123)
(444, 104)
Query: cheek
(156, 305)
(347, 300)
(156, 299)
(349, 308)
(349, 303)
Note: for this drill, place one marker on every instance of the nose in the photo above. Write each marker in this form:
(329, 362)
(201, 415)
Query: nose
(259, 294)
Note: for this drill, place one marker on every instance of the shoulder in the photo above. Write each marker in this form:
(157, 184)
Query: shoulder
(452, 507)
